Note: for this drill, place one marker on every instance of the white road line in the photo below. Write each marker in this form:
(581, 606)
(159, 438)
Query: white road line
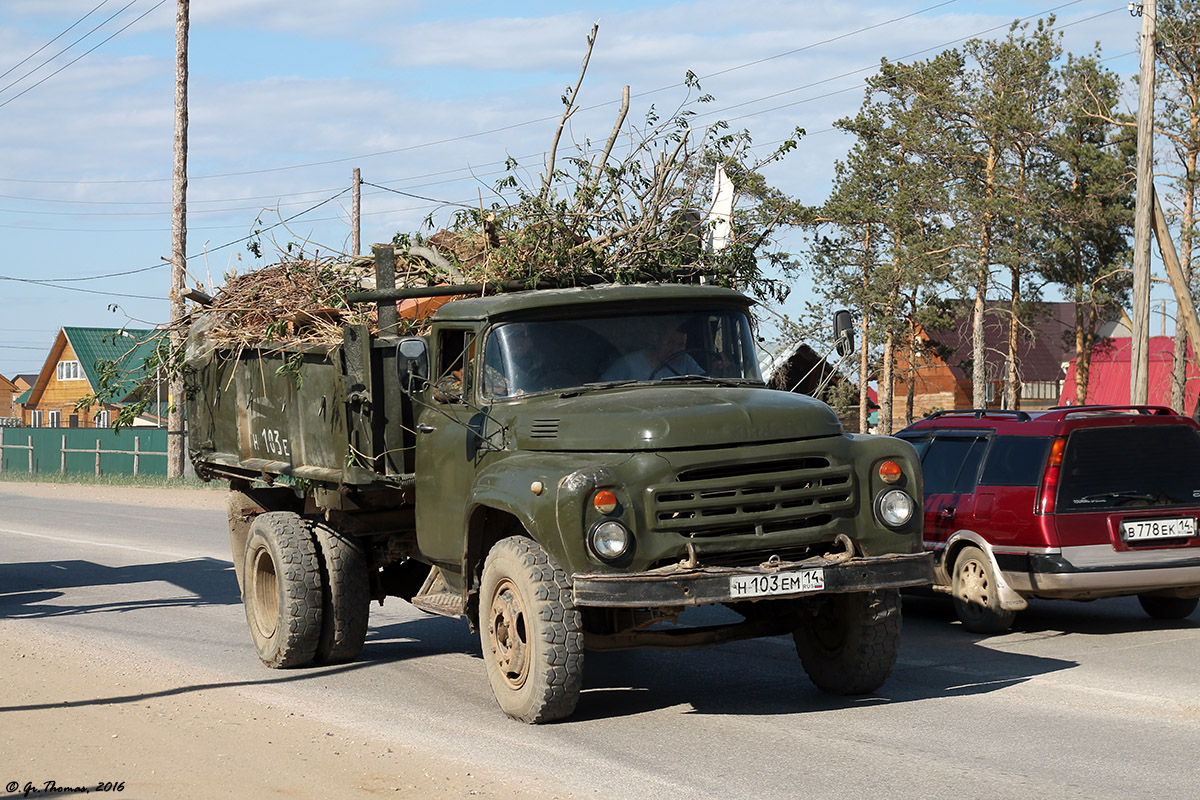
(172, 553)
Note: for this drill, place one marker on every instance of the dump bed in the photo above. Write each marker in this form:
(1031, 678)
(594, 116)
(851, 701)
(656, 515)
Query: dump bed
(324, 413)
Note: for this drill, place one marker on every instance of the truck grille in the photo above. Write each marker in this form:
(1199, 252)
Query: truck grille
(759, 498)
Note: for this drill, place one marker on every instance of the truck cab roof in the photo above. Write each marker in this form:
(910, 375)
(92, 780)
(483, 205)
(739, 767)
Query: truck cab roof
(541, 300)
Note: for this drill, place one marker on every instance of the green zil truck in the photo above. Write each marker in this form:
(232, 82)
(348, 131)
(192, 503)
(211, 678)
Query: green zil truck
(569, 470)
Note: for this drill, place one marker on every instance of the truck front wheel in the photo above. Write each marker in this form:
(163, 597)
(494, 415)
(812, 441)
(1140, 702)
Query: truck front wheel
(849, 646)
(282, 589)
(530, 631)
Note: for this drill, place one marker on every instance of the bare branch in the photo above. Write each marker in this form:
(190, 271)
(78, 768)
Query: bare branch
(571, 108)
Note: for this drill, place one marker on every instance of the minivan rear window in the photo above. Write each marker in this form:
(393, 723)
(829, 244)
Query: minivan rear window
(1015, 461)
(1130, 466)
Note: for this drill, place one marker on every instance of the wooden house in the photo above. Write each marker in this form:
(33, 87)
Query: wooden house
(8, 391)
(73, 370)
(939, 374)
(798, 368)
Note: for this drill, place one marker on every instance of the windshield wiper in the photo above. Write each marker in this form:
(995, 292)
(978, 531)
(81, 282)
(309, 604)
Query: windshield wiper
(708, 379)
(591, 387)
(1129, 495)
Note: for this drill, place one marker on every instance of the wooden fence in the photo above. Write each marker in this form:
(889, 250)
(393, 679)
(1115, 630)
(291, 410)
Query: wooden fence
(130, 451)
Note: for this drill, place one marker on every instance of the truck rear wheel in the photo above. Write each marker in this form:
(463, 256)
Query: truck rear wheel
(850, 646)
(282, 589)
(976, 599)
(345, 596)
(530, 631)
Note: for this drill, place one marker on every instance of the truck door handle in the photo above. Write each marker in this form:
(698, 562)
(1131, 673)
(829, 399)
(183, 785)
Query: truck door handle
(426, 428)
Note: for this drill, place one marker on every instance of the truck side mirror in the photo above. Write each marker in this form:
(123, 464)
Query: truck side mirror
(843, 332)
(412, 361)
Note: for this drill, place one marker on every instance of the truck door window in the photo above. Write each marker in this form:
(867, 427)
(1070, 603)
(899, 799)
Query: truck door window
(455, 361)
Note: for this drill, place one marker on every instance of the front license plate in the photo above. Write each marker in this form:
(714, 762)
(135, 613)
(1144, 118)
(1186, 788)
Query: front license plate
(1141, 530)
(801, 580)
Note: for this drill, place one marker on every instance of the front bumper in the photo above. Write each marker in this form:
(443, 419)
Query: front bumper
(685, 585)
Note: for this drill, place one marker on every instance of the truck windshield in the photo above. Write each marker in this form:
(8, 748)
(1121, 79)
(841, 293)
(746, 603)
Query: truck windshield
(552, 355)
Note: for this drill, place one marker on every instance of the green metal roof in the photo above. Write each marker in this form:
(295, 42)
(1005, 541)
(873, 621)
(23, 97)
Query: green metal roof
(131, 349)
(21, 398)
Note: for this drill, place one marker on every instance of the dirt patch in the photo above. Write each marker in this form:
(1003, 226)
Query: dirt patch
(82, 715)
(125, 495)
(81, 718)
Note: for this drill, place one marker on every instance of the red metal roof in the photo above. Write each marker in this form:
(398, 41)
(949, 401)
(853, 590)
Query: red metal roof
(1108, 382)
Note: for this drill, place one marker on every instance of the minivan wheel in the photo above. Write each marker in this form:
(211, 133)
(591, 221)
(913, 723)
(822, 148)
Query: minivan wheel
(976, 599)
(1163, 607)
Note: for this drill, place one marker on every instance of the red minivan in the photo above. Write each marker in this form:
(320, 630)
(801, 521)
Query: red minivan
(1072, 503)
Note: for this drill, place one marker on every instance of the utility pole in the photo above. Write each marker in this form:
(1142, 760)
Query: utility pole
(356, 214)
(178, 244)
(1139, 366)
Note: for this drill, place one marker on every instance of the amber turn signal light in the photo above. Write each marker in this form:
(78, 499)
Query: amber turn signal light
(889, 472)
(605, 501)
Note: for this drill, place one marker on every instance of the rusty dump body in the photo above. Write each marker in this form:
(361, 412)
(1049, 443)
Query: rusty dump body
(542, 427)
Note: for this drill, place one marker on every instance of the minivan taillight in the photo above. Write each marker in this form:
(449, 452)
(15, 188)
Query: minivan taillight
(1050, 476)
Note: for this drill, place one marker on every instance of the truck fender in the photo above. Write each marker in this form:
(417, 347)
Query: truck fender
(491, 516)
(1010, 599)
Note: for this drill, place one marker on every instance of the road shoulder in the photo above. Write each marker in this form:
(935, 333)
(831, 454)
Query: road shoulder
(80, 718)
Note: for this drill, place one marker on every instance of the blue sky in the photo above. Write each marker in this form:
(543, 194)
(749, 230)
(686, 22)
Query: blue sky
(286, 99)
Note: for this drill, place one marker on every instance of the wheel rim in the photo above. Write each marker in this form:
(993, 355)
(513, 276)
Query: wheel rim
(508, 634)
(264, 589)
(974, 588)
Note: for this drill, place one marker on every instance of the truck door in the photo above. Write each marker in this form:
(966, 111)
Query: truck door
(449, 446)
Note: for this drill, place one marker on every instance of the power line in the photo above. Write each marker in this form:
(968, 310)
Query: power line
(500, 129)
(77, 58)
(55, 282)
(6, 73)
(68, 47)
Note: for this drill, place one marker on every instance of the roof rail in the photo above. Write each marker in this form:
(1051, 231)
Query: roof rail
(980, 413)
(1066, 411)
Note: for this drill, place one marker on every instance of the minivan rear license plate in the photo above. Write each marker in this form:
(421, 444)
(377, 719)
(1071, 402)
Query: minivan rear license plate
(793, 582)
(1141, 530)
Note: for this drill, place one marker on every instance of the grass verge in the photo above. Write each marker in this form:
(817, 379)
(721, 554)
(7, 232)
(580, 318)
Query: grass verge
(87, 479)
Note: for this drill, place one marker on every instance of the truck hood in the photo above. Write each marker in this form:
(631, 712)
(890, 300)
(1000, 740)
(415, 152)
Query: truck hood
(667, 417)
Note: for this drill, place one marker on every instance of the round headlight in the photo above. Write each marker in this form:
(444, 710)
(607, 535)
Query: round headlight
(610, 540)
(895, 508)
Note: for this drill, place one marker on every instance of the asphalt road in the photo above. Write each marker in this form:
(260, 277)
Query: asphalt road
(1081, 700)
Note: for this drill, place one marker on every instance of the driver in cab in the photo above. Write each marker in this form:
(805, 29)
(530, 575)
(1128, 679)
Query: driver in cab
(666, 355)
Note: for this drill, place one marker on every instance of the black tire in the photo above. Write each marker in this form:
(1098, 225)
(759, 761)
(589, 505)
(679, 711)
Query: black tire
(976, 598)
(282, 589)
(345, 596)
(1163, 607)
(530, 631)
(850, 646)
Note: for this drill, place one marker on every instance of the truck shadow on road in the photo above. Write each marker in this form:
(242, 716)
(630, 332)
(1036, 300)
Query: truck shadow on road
(753, 677)
(46, 589)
